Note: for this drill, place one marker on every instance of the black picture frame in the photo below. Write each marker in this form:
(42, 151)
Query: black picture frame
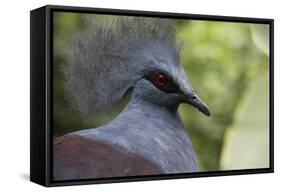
(41, 61)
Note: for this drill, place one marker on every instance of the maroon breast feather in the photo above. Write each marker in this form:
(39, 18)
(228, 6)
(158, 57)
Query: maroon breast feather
(76, 157)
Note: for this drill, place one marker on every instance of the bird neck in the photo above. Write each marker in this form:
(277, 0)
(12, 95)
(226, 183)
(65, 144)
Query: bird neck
(151, 112)
(152, 131)
(150, 107)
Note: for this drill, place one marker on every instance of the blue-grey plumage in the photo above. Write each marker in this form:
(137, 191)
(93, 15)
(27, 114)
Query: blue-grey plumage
(152, 131)
(140, 55)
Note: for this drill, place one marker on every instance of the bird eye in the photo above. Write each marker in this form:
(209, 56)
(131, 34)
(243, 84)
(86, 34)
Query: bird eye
(160, 80)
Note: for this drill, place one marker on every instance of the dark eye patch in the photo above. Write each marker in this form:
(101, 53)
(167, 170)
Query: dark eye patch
(169, 87)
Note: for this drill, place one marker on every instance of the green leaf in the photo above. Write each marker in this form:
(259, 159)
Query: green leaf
(260, 36)
(246, 143)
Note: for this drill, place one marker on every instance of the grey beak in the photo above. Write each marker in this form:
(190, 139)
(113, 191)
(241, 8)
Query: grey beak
(194, 100)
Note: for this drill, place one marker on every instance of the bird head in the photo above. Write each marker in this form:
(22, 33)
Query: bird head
(163, 80)
(115, 55)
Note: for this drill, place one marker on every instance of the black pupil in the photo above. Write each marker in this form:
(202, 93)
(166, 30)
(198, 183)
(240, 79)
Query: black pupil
(160, 80)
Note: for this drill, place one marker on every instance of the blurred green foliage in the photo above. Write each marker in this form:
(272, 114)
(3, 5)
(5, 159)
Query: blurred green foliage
(252, 117)
(221, 60)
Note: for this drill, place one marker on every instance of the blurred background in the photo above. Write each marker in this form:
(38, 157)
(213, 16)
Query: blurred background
(227, 64)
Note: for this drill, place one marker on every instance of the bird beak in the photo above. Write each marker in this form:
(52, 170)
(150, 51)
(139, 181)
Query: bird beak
(193, 99)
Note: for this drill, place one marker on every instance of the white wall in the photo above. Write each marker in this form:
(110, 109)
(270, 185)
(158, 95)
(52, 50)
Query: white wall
(14, 94)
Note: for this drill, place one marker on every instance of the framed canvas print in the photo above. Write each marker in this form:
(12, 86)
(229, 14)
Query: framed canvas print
(119, 95)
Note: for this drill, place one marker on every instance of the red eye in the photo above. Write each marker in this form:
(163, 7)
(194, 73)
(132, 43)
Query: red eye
(160, 80)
